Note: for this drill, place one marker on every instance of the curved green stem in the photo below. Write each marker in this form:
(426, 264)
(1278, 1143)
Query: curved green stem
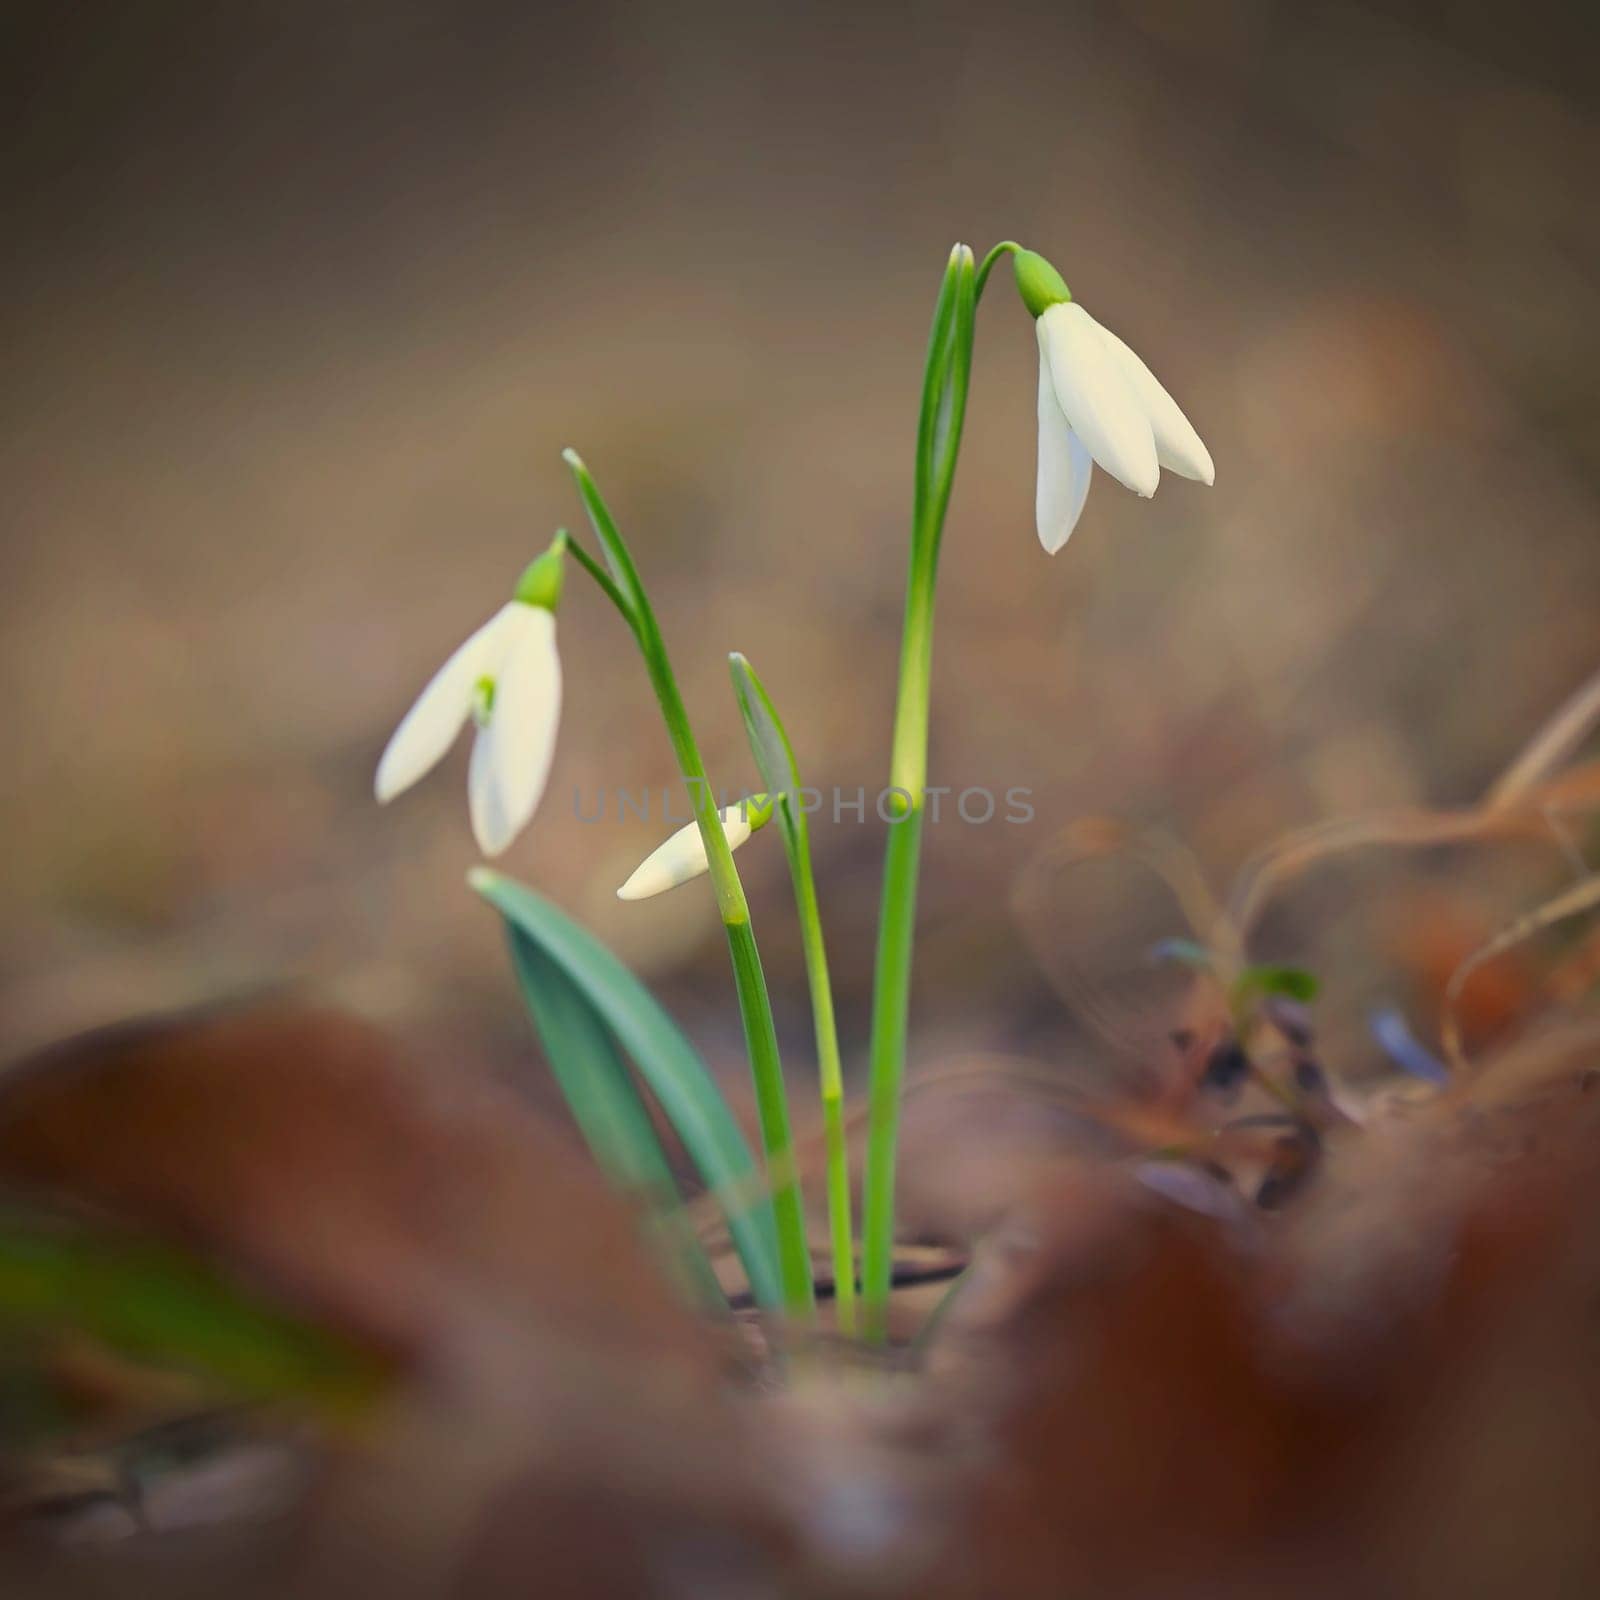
(602, 579)
(626, 592)
(1006, 247)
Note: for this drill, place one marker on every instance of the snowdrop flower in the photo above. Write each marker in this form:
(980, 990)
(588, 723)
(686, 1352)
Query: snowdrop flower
(507, 679)
(683, 856)
(1098, 402)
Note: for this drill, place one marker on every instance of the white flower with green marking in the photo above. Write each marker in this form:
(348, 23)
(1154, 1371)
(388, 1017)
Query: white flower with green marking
(1098, 403)
(683, 856)
(506, 679)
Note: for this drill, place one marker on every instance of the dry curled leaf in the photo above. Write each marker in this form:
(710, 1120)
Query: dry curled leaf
(1389, 1388)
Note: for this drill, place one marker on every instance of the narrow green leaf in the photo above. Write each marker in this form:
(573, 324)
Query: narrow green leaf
(603, 581)
(669, 1064)
(942, 417)
(787, 1206)
(155, 1304)
(617, 555)
(932, 425)
(607, 1106)
(769, 744)
(944, 398)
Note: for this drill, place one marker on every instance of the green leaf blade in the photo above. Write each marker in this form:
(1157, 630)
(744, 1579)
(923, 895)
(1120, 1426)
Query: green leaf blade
(669, 1064)
(612, 545)
(769, 744)
(606, 1104)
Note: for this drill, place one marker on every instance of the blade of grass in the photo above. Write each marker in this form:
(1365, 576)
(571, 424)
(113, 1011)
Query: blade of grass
(669, 1064)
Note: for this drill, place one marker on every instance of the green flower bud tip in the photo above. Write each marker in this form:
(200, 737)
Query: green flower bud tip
(540, 583)
(1039, 284)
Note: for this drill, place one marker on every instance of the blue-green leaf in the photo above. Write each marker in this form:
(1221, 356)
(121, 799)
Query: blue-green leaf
(607, 1106)
(669, 1064)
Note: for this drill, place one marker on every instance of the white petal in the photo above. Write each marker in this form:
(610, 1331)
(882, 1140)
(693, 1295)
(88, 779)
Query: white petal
(429, 728)
(520, 741)
(1096, 399)
(1064, 469)
(683, 856)
(491, 825)
(1178, 447)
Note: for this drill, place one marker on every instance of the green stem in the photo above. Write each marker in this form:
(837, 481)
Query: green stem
(944, 400)
(1006, 247)
(831, 1078)
(891, 998)
(755, 1008)
(602, 579)
(769, 744)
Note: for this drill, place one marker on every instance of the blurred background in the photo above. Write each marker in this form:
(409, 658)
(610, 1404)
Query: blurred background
(302, 302)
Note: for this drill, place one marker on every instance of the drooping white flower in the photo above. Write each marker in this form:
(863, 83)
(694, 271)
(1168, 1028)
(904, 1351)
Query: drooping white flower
(1098, 403)
(507, 679)
(683, 856)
